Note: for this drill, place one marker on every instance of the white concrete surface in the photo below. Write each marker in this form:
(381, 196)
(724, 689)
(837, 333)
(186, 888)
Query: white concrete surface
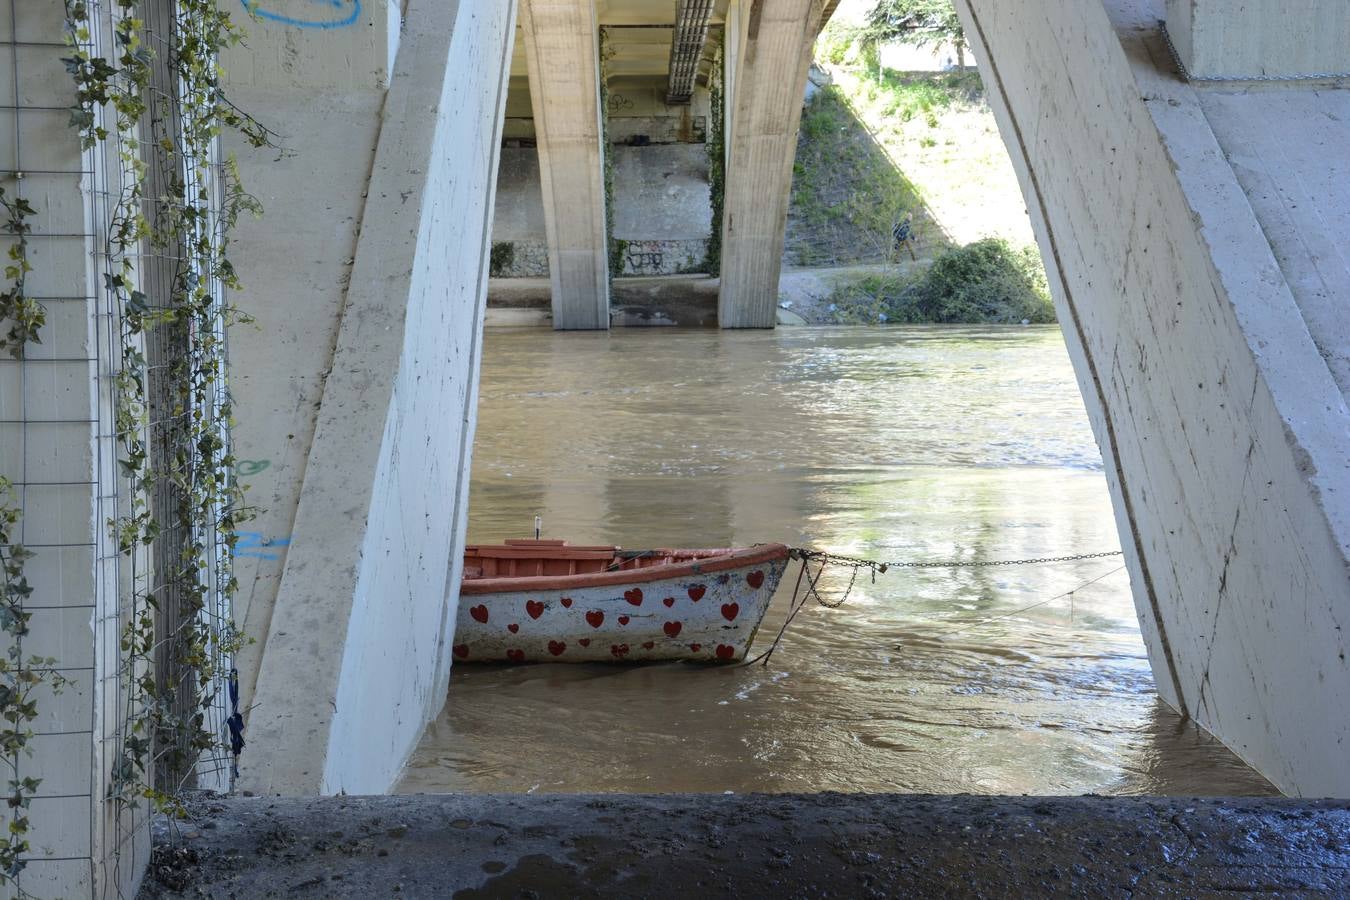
(765, 93)
(1300, 193)
(355, 660)
(1225, 434)
(562, 49)
(1238, 38)
(295, 263)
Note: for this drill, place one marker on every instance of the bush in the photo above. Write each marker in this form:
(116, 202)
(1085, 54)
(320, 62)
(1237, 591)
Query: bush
(985, 282)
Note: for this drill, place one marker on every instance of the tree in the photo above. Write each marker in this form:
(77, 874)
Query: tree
(919, 22)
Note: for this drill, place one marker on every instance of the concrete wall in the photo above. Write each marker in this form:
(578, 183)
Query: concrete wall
(1227, 38)
(661, 207)
(353, 664)
(637, 106)
(1224, 433)
(321, 90)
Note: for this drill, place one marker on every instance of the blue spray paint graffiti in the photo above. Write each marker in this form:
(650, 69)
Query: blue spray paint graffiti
(252, 543)
(306, 13)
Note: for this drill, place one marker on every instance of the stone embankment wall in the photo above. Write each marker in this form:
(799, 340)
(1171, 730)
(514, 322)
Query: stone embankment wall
(662, 207)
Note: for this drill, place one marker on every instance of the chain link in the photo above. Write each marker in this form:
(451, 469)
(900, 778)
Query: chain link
(878, 566)
(1187, 76)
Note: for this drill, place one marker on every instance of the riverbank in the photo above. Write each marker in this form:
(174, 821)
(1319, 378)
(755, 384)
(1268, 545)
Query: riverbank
(688, 301)
(798, 845)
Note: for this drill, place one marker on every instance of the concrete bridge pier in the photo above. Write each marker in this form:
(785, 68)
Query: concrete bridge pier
(357, 388)
(1188, 233)
(769, 48)
(562, 49)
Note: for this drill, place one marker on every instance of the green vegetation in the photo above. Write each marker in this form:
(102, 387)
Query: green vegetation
(919, 95)
(716, 147)
(919, 22)
(503, 256)
(985, 282)
(846, 192)
(616, 246)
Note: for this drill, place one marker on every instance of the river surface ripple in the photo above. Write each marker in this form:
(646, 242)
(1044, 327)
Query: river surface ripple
(898, 443)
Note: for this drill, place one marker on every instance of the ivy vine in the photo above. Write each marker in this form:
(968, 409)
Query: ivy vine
(178, 476)
(716, 147)
(25, 315)
(616, 247)
(178, 472)
(20, 679)
(20, 676)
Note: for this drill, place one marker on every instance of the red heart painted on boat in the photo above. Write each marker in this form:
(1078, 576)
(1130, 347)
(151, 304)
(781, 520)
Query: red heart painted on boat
(594, 618)
(649, 645)
(695, 647)
(730, 610)
(566, 602)
(585, 642)
(619, 650)
(513, 628)
(755, 578)
(672, 629)
(725, 651)
(515, 655)
(461, 650)
(696, 592)
(634, 596)
(556, 647)
(479, 614)
(534, 608)
(623, 620)
(669, 601)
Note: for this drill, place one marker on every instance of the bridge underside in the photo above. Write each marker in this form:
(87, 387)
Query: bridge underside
(1191, 230)
(1183, 225)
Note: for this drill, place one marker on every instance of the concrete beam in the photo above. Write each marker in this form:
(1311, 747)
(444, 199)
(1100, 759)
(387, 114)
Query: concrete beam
(769, 82)
(1240, 39)
(356, 657)
(562, 48)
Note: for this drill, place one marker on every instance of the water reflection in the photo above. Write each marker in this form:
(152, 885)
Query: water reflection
(900, 444)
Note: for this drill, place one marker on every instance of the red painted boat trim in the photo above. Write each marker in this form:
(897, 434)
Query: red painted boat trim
(732, 559)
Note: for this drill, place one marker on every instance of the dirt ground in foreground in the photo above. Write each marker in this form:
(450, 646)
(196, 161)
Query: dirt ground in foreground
(816, 845)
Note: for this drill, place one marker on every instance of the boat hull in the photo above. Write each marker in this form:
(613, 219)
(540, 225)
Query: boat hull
(694, 614)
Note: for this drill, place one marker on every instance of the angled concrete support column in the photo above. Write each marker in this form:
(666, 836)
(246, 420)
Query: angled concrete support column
(562, 49)
(1186, 234)
(769, 81)
(1238, 39)
(357, 652)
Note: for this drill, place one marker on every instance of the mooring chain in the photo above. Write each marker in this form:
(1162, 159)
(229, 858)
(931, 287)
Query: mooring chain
(877, 565)
(806, 586)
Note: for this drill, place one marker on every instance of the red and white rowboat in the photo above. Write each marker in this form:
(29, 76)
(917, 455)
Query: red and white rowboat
(546, 601)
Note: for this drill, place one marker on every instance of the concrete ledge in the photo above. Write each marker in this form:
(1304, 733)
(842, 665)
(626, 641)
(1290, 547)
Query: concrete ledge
(813, 845)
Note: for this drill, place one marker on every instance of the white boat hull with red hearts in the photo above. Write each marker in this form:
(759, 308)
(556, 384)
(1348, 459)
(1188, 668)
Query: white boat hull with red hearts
(547, 601)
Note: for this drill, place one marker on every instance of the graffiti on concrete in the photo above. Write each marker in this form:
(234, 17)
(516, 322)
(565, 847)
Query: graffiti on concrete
(255, 544)
(664, 257)
(643, 257)
(247, 467)
(306, 13)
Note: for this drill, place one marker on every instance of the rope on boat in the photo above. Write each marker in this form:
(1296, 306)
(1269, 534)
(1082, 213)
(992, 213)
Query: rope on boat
(802, 595)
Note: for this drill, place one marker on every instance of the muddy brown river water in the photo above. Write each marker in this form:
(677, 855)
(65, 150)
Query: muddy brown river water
(901, 444)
